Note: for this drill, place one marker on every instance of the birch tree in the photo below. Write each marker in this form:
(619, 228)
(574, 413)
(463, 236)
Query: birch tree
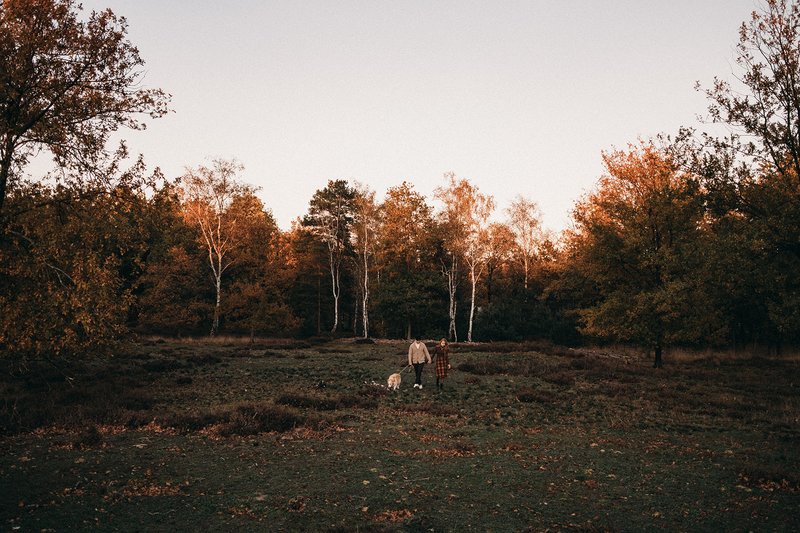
(466, 214)
(453, 226)
(365, 226)
(478, 246)
(525, 221)
(330, 218)
(501, 252)
(207, 194)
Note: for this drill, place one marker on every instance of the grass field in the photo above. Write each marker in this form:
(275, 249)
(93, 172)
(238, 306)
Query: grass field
(302, 436)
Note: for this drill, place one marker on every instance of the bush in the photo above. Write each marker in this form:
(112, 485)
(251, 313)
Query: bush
(89, 437)
(530, 395)
(482, 367)
(243, 420)
(565, 378)
(512, 365)
(254, 418)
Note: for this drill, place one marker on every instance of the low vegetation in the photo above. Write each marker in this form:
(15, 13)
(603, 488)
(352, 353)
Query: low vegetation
(272, 436)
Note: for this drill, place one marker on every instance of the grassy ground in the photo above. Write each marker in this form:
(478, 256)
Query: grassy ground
(297, 436)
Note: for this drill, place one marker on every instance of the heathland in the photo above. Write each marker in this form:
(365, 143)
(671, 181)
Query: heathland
(223, 435)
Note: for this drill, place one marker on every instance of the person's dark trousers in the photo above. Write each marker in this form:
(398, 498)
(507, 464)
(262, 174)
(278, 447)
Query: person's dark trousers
(418, 373)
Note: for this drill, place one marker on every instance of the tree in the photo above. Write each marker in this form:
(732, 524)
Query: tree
(766, 109)
(330, 217)
(465, 218)
(525, 221)
(453, 237)
(364, 225)
(70, 261)
(259, 273)
(477, 209)
(405, 253)
(753, 175)
(172, 295)
(308, 257)
(66, 85)
(501, 244)
(208, 194)
(636, 240)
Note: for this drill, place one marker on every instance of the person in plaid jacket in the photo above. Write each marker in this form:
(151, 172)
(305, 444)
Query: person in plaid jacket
(441, 355)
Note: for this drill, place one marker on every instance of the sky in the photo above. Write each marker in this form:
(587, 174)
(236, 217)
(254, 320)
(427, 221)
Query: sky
(519, 97)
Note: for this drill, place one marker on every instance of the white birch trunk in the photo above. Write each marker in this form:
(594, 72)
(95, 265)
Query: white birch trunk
(335, 290)
(452, 283)
(474, 282)
(215, 323)
(365, 302)
(525, 262)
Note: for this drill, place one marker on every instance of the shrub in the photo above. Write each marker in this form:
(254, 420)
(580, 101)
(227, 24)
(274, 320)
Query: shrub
(307, 402)
(243, 419)
(564, 378)
(193, 422)
(254, 418)
(530, 395)
(482, 367)
(90, 436)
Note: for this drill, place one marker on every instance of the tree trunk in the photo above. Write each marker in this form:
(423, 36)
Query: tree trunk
(319, 304)
(525, 263)
(451, 287)
(215, 323)
(474, 282)
(217, 270)
(335, 290)
(408, 329)
(365, 302)
(658, 361)
(356, 305)
(488, 283)
(5, 172)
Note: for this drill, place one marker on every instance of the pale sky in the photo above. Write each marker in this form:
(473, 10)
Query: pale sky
(520, 97)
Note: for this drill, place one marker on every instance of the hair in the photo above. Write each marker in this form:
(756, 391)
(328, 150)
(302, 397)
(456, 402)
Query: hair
(445, 340)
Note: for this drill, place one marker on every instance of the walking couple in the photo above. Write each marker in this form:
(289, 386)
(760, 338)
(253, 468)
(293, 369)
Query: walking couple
(418, 355)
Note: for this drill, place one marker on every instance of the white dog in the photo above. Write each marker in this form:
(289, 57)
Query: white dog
(393, 383)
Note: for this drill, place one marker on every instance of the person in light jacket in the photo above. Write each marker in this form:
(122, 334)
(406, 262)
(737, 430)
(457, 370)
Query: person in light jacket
(417, 356)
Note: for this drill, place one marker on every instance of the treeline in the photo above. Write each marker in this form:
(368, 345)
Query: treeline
(687, 240)
(205, 256)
